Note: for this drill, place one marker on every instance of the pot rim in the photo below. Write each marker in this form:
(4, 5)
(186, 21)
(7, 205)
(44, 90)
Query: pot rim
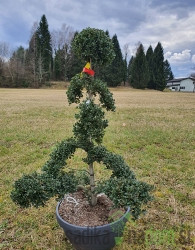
(92, 227)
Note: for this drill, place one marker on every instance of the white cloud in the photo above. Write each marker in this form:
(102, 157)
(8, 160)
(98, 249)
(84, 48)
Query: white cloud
(181, 62)
(193, 59)
(167, 55)
(182, 57)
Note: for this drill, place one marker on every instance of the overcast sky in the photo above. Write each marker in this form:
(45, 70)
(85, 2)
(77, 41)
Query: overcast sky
(172, 22)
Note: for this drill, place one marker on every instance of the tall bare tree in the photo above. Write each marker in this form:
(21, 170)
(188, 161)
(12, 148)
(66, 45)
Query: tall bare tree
(32, 56)
(17, 66)
(6, 65)
(4, 57)
(3, 54)
(126, 53)
(61, 45)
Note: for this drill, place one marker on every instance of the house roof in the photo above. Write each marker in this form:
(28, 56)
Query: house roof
(180, 79)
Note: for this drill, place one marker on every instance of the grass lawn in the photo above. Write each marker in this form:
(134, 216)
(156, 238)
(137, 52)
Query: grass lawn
(153, 131)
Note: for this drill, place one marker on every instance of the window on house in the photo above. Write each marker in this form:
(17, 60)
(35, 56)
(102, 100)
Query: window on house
(182, 87)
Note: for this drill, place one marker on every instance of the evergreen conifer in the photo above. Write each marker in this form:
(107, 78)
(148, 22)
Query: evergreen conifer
(159, 74)
(140, 71)
(150, 60)
(167, 70)
(44, 48)
(113, 74)
(129, 69)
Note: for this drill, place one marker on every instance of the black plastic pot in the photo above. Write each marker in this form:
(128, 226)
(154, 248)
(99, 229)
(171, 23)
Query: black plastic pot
(93, 238)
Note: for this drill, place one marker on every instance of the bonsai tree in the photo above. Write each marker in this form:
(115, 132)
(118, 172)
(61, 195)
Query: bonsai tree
(95, 47)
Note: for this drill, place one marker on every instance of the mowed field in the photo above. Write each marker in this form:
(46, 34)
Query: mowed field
(153, 131)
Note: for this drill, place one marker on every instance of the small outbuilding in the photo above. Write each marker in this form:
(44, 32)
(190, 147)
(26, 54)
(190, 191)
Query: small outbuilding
(182, 84)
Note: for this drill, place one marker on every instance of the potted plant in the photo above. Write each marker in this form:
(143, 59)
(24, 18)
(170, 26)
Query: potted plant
(121, 190)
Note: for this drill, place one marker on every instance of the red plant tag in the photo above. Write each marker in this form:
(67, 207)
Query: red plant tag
(89, 71)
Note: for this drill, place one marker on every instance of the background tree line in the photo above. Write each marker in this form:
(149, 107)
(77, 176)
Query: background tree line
(49, 57)
(149, 70)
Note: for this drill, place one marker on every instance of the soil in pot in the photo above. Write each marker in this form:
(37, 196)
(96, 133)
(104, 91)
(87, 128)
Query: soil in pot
(75, 209)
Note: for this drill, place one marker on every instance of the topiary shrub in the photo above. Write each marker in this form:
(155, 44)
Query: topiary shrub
(94, 46)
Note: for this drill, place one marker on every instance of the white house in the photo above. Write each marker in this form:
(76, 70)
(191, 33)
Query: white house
(182, 84)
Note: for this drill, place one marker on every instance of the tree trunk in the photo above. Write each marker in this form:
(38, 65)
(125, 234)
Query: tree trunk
(92, 185)
(91, 169)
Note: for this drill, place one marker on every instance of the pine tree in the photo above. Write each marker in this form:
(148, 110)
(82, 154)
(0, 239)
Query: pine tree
(44, 49)
(159, 74)
(114, 73)
(125, 70)
(103, 72)
(150, 60)
(167, 71)
(129, 69)
(140, 72)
